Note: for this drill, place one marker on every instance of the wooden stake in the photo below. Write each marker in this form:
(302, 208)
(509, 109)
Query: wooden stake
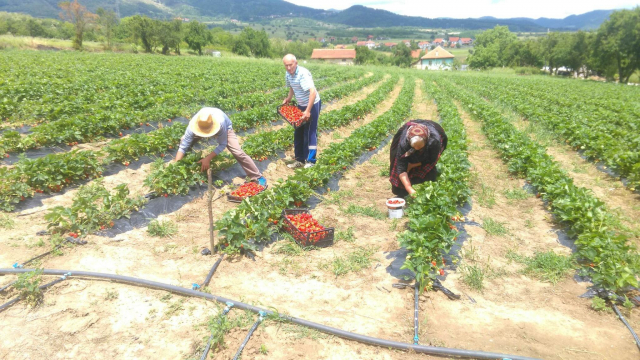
(211, 191)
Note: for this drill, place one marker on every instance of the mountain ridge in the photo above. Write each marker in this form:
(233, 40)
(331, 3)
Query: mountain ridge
(356, 16)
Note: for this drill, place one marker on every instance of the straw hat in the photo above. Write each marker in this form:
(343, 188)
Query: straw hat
(205, 125)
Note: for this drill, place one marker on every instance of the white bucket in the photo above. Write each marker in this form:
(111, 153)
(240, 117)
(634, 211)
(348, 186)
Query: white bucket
(395, 210)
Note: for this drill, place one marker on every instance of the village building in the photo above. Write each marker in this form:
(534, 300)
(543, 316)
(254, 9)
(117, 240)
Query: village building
(437, 59)
(335, 56)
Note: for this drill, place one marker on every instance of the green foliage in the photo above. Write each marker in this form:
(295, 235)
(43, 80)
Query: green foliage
(493, 227)
(491, 48)
(369, 211)
(355, 261)
(473, 276)
(252, 42)
(93, 208)
(162, 228)
(599, 304)
(546, 266)
(28, 285)
(617, 44)
(6, 222)
(613, 261)
(197, 36)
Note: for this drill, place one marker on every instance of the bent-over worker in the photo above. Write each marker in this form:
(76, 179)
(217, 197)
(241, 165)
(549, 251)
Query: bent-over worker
(210, 122)
(415, 151)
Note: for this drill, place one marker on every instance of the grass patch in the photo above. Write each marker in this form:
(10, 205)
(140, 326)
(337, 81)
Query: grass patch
(174, 308)
(302, 332)
(493, 227)
(355, 261)
(486, 196)
(473, 276)
(111, 295)
(289, 247)
(599, 304)
(338, 197)
(545, 266)
(219, 325)
(6, 222)
(162, 228)
(369, 211)
(516, 194)
(346, 235)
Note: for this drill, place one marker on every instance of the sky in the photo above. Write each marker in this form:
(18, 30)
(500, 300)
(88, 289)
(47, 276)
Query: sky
(478, 8)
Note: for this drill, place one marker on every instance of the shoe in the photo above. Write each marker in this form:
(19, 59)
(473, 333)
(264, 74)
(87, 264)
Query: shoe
(309, 165)
(262, 181)
(295, 165)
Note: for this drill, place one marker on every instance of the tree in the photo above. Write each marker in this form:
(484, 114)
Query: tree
(402, 55)
(169, 35)
(35, 29)
(257, 42)
(617, 43)
(197, 36)
(493, 47)
(364, 55)
(143, 29)
(107, 20)
(79, 16)
(549, 53)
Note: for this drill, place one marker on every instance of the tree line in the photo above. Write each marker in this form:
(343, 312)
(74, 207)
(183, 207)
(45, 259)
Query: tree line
(151, 35)
(613, 50)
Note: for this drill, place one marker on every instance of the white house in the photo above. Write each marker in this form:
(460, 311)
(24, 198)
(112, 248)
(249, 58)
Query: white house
(437, 59)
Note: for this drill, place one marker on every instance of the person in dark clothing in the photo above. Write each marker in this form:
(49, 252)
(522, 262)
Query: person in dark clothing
(415, 151)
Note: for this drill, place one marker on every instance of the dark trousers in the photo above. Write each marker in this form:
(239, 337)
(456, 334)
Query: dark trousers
(305, 138)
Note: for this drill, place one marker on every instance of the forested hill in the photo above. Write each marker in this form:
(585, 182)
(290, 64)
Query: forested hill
(358, 16)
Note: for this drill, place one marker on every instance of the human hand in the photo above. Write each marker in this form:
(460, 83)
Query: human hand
(413, 193)
(306, 115)
(205, 163)
(285, 101)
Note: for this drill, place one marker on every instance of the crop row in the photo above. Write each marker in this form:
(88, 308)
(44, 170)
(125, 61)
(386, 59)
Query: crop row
(431, 213)
(126, 106)
(602, 135)
(606, 254)
(163, 179)
(269, 143)
(259, 115)
(254, 218)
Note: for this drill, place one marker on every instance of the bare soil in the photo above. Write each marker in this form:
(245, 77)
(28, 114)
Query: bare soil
(88, 319)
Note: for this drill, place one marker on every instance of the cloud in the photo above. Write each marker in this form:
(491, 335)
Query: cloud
(478, 8)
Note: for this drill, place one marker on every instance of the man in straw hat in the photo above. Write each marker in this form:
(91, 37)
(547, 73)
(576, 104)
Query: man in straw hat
(210, 122)
(305, 138)
(415, 150)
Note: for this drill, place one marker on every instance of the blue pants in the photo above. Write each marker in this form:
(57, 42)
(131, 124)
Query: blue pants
(305, 138)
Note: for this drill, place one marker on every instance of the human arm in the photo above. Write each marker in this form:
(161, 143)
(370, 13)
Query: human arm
(404, 179)
(288, 98)
(312, 98)
(185, 144)
(222, 139)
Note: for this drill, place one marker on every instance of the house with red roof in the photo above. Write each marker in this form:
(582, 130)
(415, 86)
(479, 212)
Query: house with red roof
(424, 45)
(439, 41)
(335, 56)
(466, 41)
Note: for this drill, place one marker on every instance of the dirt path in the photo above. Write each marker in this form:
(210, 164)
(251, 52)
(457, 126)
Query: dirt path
(515, 313)
(114, 320)
(624, 203)
(423, 106)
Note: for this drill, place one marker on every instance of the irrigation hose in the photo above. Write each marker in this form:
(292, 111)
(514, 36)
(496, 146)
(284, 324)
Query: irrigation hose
(246, 339)
(206, 349)
(41, 287)
(6, 286)
(624, 321)
(416, 301)
(433, 350)
(213, 270)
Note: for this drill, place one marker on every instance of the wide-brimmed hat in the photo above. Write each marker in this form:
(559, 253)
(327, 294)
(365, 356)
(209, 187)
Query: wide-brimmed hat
(205, 125)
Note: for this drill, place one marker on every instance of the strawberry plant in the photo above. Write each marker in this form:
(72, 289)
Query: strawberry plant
(94, 208)
(606, 253)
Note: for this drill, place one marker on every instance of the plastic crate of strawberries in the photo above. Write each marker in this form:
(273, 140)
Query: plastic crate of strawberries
(245, 190)
(306, 230)
(292, 115)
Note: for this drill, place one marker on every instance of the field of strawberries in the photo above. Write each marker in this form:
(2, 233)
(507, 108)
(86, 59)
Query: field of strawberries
(87, 143)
